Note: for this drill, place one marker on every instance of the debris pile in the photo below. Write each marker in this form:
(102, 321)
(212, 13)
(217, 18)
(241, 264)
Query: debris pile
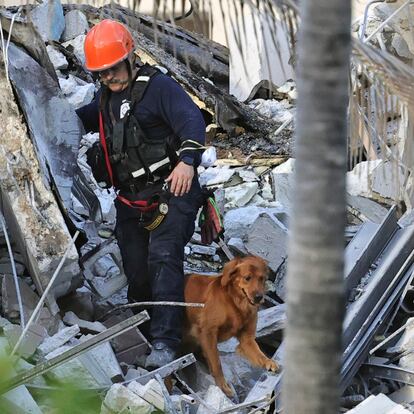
(83, 332)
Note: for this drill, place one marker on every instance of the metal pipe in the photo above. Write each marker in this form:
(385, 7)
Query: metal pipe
(364, 23)
(45, 293)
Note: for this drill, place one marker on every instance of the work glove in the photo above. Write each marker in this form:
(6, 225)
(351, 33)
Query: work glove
(210, 221)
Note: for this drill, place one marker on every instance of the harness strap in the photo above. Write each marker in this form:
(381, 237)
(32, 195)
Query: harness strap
(141, 205)
(104, 147)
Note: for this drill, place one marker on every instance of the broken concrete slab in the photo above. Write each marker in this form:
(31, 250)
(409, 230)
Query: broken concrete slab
(240, 195)
(32, 339)
(120, 399)
(267, 238)
(48, 19)
(216, 399)
(150, 392)
(104, 270)
(76, 24)
(378, 404)
(213, 176)
(19, 401)
(359, 180)
(59, 339)
(366, 209)
(237, 221)
(57, 58)
(282, 177)
(387, 179)
(269, 321)
(85, 326)
(76, 46)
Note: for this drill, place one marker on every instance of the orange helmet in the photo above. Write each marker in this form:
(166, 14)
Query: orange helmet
(106, 44)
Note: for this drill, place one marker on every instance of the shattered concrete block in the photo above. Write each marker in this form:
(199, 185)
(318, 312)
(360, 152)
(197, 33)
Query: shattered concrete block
(76, 46)
(76, 24)
(4, 322)
(104, 270)
(267, 238)
(236, 244)
(120, 399)
(240, 195)
(204, 250)
(407, 219)
(378, 404)
(400, 46)
(366, 209)
(82, 96)
(216, 175)
(238, 221)
(73, 370)
(216, 399)
(48, 19)
(54, 342)
(85, 326)
(387, 180)
(135, 373)
(32, 339)
(19, 400)
(150, 392)
(359, 180)
(279, 111)
(247, 175)
(57, 58)
(106, 359)
(282, 177)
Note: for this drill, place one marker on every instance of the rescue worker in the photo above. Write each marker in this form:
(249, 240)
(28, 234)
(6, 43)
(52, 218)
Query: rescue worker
(151, 142)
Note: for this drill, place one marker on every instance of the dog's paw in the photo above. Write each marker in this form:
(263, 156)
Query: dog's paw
(226, 388)
(271, 365)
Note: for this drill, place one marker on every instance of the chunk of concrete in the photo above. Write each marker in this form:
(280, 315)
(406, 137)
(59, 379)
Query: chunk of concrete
(76, 46)
(82, 96)
(216, 175)
(150, 392)
(366, 209)
(387, 181)
(76, 24)
(54, 342)
(57, 58)
(32, 339)
(267, 238)
(216, 399)
(85, 326)
(359, 180)
(238, 221)
(120, 399)
(203, 250)
(240, 195)
(237, 246)
(74, 370)
(105, 357)
(282, 177)
(19, 400)
(378, 404)
(48, 19)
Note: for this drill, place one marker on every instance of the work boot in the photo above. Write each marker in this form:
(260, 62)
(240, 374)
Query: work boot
(160, 355)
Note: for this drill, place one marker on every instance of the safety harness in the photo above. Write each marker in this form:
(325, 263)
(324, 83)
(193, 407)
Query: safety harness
(132, 158)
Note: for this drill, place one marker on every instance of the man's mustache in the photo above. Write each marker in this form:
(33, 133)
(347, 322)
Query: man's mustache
(117, 81)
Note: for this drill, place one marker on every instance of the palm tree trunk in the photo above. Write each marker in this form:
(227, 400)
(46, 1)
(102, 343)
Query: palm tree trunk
(316, 247)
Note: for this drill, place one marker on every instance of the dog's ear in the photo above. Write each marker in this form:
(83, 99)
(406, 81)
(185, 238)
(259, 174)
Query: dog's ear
(229, 270)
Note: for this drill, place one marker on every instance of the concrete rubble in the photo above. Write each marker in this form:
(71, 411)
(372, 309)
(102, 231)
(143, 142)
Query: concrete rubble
(42, 206)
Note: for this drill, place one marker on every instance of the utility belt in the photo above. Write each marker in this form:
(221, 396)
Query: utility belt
(150, 204)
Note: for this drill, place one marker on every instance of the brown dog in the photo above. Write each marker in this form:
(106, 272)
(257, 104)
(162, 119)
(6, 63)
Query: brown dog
(231, 304)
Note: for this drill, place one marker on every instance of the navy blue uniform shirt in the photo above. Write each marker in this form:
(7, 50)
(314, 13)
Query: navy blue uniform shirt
(165, 109)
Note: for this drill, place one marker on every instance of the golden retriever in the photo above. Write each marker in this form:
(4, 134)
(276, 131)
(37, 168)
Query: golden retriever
(231, 305)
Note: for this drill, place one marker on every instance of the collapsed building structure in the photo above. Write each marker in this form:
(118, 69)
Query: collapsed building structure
(48, 194)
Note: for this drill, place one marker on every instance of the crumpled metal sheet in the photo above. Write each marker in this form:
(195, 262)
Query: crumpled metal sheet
(54, 127)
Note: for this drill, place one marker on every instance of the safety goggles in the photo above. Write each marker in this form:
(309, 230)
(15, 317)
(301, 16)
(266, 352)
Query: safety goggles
(113, 69)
